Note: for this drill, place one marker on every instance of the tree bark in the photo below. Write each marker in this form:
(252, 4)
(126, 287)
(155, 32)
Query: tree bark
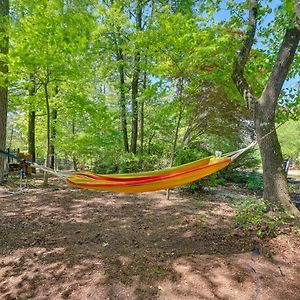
(134, 105)
(74, 157)
(275, 183)
(176, 133)
(53, 138)
(122, 101)
(4, 13)
(31, 134)
(31, 121)
(142, 116)
(47, 133)
(135, 85)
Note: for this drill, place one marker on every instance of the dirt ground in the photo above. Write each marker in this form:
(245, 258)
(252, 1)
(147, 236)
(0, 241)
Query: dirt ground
(65, 243)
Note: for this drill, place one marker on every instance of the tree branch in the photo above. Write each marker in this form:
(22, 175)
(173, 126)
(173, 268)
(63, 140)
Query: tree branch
(243, 57)
(282, 64)
(297, 12)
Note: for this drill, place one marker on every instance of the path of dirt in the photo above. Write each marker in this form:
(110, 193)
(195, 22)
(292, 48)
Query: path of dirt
(63, 243)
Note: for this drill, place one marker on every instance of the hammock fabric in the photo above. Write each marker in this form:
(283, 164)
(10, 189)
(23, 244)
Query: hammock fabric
(149, 181)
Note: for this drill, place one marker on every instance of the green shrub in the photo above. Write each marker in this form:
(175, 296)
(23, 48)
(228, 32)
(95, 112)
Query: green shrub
(127, 163)
(260, 216)
(254, 182)
(187, 155)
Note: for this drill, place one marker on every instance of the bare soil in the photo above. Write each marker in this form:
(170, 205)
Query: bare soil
(65, 243)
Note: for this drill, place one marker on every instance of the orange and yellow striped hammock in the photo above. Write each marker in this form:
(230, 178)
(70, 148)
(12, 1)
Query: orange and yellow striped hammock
(149, 181)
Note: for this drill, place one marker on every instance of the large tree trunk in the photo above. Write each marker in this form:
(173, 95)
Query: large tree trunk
(264, 108)
(4, 11)
(275, 183)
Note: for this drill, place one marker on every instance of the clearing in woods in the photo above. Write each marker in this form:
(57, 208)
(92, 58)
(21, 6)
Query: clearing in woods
(63, 243)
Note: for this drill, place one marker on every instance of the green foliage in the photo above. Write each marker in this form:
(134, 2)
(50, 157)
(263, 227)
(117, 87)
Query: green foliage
(289, 137)
(260, 216)
(74, 47)
(254, 182)
(126, 163)
(189, 154)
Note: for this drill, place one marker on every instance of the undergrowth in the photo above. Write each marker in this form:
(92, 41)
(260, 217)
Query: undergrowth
(261, 217)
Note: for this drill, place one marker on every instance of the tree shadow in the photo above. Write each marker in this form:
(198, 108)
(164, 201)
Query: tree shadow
(76, 244)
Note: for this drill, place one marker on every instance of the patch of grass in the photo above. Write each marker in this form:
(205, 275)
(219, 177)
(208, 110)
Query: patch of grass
(260, 216)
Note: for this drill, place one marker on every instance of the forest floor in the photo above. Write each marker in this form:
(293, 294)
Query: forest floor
(65, 243)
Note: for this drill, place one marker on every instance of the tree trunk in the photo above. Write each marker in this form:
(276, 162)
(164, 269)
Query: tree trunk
(275, 182)
(134, 105)
(32, 89)
(74, 157)
(142, 115)
(31, 135)
(122, 101)
(47, 133)
(4, 12)
(135, 85)
(53, 138)
(180, 94)
(264, 108)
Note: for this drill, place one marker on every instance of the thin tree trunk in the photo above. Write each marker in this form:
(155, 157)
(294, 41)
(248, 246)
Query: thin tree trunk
(4, 12)
(53, 138)
(134, 105)
(31, 136)
(48, 150)
(135, 85)
(32, 89)
(74, 157)
(180, 91)
(53, 133)
(142, 115)
(122, 101)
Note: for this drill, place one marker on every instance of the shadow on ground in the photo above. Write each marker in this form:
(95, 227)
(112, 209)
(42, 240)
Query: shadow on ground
(73, 244)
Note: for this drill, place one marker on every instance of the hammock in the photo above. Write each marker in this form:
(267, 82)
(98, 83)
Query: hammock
(149, 181)
(146, 181)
